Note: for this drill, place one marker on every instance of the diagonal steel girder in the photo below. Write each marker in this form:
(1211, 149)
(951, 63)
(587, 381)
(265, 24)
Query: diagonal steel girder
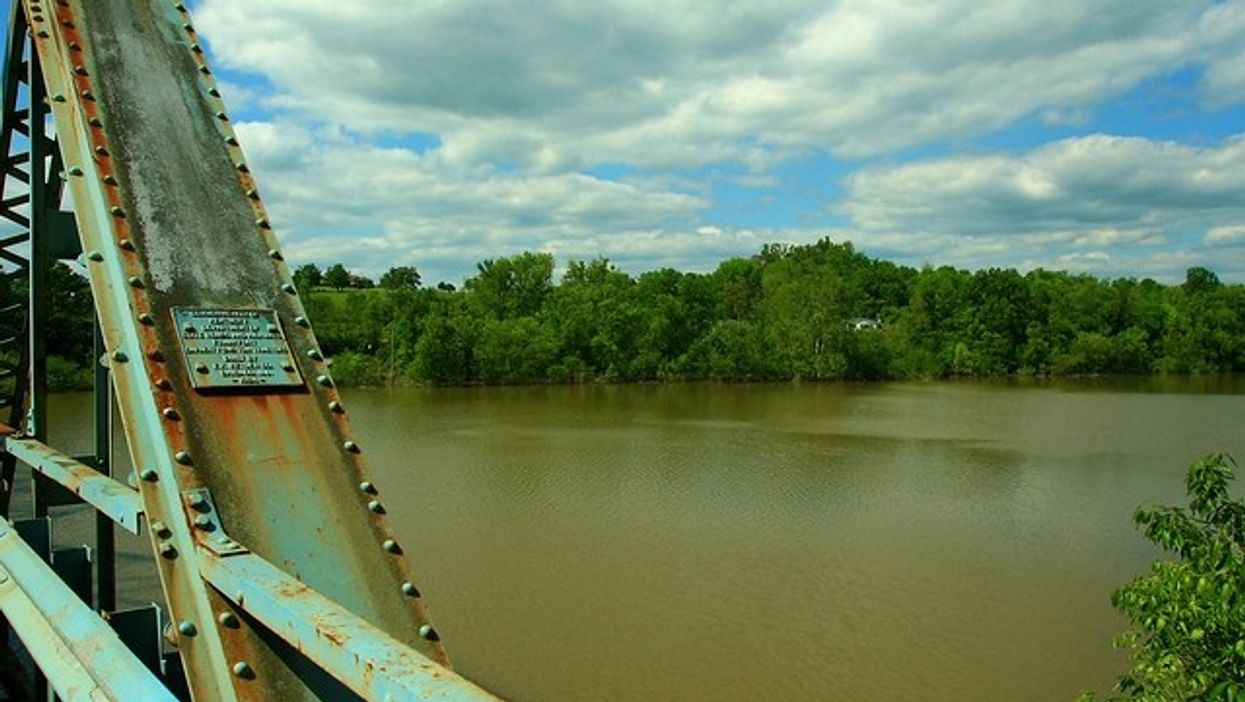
(169, 217)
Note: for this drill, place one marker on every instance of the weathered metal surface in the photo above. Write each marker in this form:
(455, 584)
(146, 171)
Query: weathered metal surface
(170, 218)
(81, 655)
(16, 124)
(235, 349)
(119, 501)
(365, 659)
(209, 532)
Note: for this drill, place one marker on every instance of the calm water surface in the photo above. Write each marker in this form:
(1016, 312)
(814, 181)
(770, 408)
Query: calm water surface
(940, 541)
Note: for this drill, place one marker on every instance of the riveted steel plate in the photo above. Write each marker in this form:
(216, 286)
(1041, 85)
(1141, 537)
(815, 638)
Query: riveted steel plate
(235, 349)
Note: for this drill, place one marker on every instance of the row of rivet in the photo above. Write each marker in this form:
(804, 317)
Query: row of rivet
(166, 548)
(228, 619)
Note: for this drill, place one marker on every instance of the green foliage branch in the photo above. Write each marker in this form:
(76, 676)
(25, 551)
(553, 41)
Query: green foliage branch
(1187, 635)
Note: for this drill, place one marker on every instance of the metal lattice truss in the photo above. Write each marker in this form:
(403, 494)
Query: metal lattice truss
(281, 577)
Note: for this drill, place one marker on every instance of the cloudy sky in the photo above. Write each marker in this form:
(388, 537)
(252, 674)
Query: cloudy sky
(1104, 136)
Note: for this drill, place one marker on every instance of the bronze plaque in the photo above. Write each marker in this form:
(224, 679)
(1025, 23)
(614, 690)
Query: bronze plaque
(235, 349)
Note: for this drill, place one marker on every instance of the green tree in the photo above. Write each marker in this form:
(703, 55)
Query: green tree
(308, 276)
(400, 278)
(70, 316)
(513, 286)
(337, 277)
(1188, 615)
(1200, 280)
(740, 282)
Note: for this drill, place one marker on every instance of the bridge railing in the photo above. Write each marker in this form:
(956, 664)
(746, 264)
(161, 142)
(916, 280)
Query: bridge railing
(83, 658)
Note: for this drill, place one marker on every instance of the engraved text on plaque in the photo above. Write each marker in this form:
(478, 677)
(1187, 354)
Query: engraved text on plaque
(235, 349)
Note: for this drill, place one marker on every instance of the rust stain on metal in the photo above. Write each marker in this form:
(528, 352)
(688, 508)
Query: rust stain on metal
(278, 462)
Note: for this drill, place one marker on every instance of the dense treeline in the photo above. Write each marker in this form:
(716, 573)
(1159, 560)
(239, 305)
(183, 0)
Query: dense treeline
(790, 312)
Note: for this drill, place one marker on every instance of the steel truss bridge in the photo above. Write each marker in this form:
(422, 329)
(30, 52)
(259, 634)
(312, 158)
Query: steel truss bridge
(281, 578)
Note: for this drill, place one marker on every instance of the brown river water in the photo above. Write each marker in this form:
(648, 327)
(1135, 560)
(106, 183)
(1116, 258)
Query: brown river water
(928, 541)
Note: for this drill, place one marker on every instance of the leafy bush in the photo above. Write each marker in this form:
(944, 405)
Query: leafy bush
(1188, 615)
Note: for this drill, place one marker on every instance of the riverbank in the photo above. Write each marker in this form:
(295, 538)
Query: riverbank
(819, 312)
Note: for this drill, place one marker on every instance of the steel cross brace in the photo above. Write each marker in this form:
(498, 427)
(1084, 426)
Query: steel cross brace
(82, 657)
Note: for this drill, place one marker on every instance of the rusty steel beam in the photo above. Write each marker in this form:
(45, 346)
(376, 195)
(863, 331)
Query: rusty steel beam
(365, 659)
(80, 654)
(220, 383)
(116, 500)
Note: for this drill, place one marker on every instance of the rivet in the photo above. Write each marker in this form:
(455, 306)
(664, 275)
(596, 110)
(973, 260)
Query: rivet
(75, 171)
(252, 193)
(101, 150)
(288, 367)
(202, 368)
(95, 256)
(126, 244)
(275, 255)
(188, 328)
(146, 319)
(188, 27)
(136, 282)
(150, 475)
(167, 550)
(272, 329)
(378, 508)
(427, 633)
(179, 6)
(391, 546)
(196, 500)
(315, 355)
(302, 322)
(324, 380)
(289, 288)
(222, 116)
(350, 446)
(203, 522)
(59, 97)
(117, 212)
(43, 34)
(119, 356)
(86, 94)
(204, 69)
(242, 670)
(164, 384)
(73, 46)
(67, 23)
(183, 458)
(368, 487)
(187, 628)
(156, 355)
(95, 122)
(231, 140)
(262, 223)
(410, 590)
(196, 48)
(242, 168)
(160, 529)
(80, 70)
(336, 406)
(170, 413)
(213, 92)
(228, 619)
(110, 180)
